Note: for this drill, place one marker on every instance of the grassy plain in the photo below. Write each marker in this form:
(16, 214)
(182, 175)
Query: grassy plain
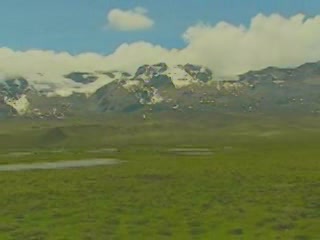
(262, 180)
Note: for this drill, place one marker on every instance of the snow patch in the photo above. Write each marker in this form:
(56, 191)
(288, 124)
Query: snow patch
(156, 97)
(21, 105)
(130, 85)
(70, 87)
(179, 77)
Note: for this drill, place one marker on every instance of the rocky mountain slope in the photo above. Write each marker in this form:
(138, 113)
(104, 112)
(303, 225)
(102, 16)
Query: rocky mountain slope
(160, 87)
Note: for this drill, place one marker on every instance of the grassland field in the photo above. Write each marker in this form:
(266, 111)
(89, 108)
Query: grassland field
(262, 180)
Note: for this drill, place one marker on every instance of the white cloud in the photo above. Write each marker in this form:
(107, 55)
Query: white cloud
(269, 40)
(225, 48)
(129, 20)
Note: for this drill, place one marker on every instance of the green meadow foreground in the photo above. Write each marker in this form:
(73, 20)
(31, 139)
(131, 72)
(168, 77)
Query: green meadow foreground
(227, 177)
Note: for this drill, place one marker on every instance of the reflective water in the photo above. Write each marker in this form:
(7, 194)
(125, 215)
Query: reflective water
(58, 165)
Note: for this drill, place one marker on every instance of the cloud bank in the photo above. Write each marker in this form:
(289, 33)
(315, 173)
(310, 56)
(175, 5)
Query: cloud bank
(225, 48)
(129, 20)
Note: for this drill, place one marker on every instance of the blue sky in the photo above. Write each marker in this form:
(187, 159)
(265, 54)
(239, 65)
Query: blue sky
(78, 26)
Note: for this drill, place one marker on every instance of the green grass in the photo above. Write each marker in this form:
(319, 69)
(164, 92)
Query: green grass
(254, 186)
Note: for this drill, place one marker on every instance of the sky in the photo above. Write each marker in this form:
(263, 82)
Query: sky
(229, 36)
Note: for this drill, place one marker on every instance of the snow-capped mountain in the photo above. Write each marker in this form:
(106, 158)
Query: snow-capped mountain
(160, 87)
(180, 75)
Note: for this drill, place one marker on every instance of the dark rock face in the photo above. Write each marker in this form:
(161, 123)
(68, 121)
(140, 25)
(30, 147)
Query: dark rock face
(161, 81)
(151, 70)
(112, 74)
(162, 67)
(125, 74)
(114, 97)
(14, 87)
(81, 77)
(141, 70)
(198, 72)
(304, 72)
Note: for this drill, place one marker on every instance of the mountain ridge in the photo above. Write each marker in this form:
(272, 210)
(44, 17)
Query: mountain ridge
(162, 87)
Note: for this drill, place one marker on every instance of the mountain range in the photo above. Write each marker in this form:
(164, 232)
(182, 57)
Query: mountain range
(160, 87)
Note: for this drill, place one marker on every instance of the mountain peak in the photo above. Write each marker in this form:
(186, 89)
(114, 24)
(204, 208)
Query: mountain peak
(148, 71)
(164, 87)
